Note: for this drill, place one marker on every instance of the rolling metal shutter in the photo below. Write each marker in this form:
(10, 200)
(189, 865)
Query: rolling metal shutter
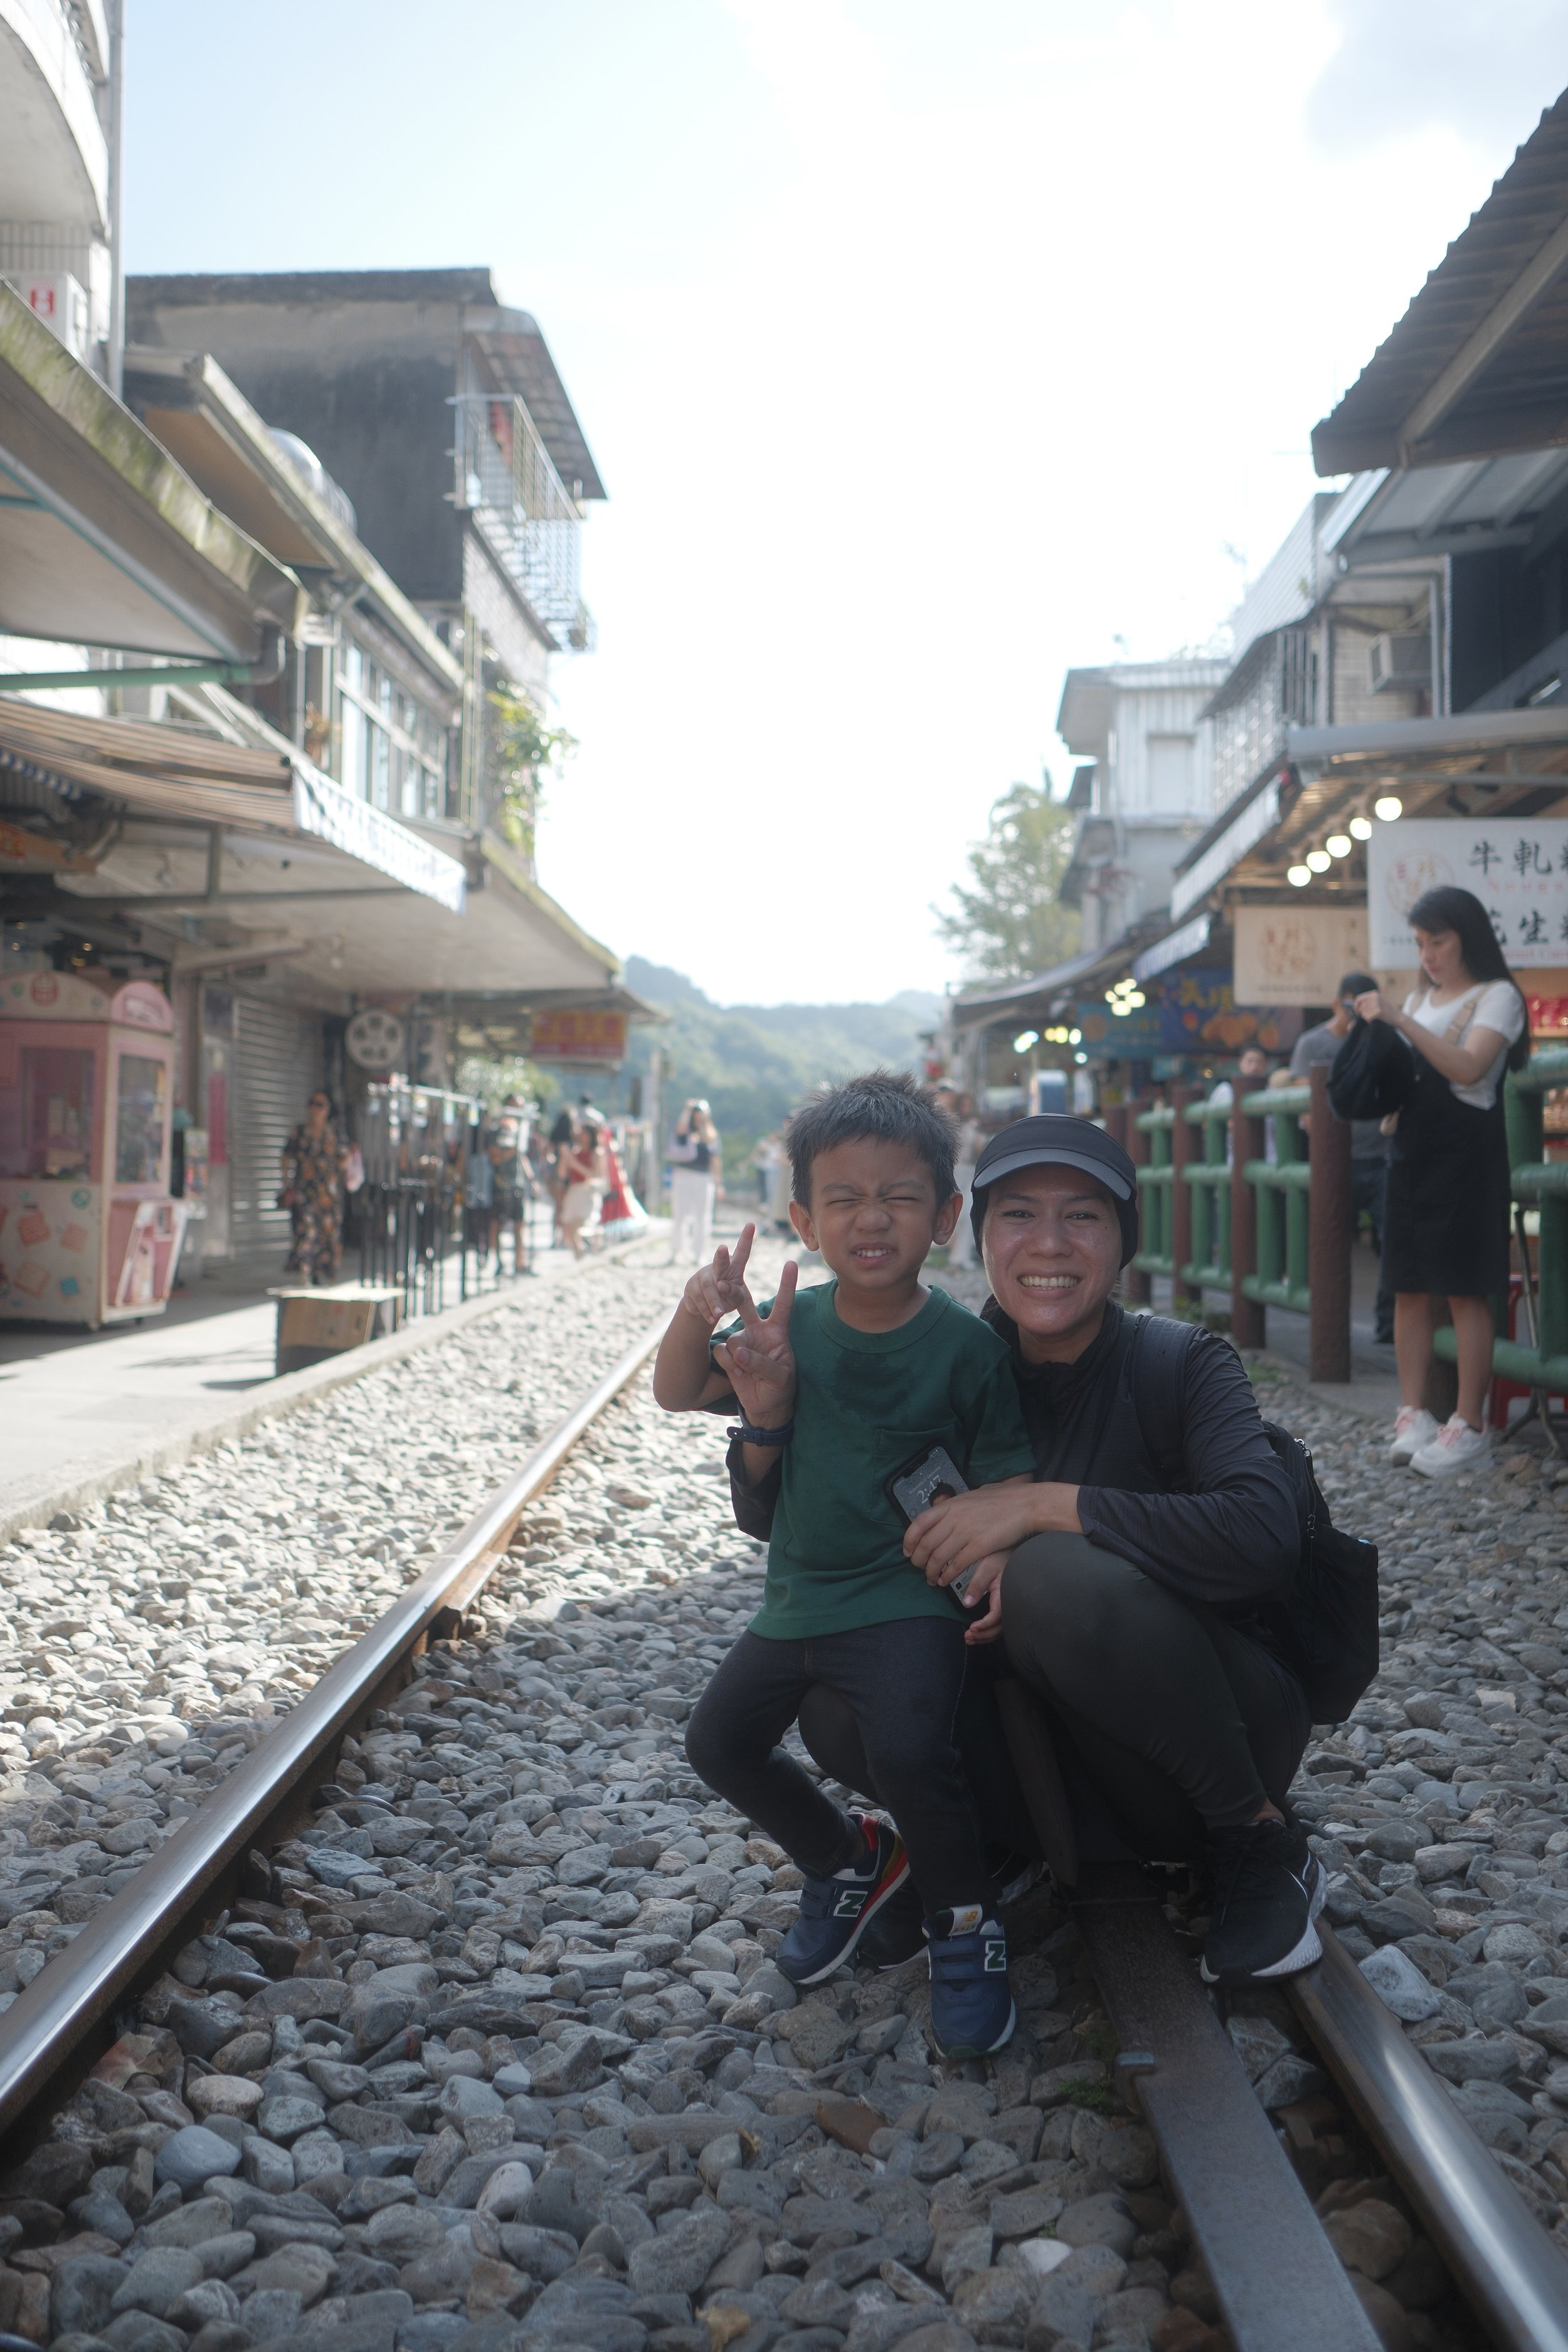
(278, 1066)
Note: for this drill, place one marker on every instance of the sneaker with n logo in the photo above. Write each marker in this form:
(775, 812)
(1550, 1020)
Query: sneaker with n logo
(835, 1912)
(971, 2009)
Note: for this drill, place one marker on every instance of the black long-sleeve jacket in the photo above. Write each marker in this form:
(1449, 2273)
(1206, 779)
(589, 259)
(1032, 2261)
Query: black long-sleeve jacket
(1185, 1485)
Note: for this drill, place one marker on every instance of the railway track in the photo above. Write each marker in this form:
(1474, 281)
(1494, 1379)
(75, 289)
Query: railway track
(1277, 2282)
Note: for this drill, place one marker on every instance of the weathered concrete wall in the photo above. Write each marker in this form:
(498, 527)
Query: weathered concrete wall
(367, 383)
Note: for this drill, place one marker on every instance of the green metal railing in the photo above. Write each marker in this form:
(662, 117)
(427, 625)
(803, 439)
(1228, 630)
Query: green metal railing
(1157, 1192)
(1208, 1180)
(1281, 1185)
(1274, 1232)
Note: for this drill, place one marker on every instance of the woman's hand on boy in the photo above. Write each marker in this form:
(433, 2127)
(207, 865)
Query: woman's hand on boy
(965, 1528)
(758, 1358)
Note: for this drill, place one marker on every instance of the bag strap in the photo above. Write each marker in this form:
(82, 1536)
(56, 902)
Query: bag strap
(1156, 1378)
(1464, 1012)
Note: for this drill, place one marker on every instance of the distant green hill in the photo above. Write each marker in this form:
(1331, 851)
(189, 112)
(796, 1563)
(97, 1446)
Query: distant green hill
(755, 1061)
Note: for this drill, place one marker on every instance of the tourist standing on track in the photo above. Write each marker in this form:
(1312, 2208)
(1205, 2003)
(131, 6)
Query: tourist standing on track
(1446, 1223)
(693, 1183)
(513, 1185)
(585, 1167)
(563, 1136)
(315, 1162)
(888, 1385)
(1127, 1581)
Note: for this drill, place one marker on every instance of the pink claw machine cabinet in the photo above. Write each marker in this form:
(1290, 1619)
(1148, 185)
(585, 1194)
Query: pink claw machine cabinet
(89, 1231)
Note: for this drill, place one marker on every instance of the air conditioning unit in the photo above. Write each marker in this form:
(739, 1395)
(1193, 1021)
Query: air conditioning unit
(1401, 661)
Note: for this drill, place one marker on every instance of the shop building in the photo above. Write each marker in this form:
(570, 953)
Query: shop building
(1406, 674)
(241, 762)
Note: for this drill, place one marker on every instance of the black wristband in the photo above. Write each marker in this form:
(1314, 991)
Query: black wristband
(750, 1436)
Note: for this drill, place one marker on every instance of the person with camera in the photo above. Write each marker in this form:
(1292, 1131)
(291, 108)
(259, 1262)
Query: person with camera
(1369, 1145)
(1446, 1222)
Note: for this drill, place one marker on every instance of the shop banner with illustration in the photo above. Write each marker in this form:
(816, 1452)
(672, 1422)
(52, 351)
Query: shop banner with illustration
(1192, 1011)
(1517, 867)
(1199, 1014)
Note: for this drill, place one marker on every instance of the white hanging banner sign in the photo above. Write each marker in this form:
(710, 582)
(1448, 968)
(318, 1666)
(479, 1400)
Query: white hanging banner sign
(324, 809)
(1517, 867)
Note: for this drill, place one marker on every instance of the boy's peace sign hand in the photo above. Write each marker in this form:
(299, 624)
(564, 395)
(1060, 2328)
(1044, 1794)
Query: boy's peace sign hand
(758, 1361)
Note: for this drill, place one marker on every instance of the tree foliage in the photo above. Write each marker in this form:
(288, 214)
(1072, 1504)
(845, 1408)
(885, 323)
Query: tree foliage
(1009, 919)
(518, 750)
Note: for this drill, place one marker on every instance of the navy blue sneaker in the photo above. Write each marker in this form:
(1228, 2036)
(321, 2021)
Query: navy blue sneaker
(898, 1932)
(972, 2011)
(835, 1912)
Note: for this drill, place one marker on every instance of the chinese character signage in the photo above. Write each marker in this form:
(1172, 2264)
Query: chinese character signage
(579, 1037)
(1296, 954)
(1517, 867)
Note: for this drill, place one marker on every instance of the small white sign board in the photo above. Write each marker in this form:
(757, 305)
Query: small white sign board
(1296, 955)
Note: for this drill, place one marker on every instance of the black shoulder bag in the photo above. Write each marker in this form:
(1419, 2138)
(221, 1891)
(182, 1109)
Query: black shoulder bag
(1373, 1072)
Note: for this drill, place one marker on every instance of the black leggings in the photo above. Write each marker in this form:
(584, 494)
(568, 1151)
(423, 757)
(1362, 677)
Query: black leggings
(1166, 1720)
(899, 1686)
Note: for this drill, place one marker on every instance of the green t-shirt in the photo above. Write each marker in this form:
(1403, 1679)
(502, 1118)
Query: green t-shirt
(865, 1401)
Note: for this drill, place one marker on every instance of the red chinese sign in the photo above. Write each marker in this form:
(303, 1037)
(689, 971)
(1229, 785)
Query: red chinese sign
(579, 1037)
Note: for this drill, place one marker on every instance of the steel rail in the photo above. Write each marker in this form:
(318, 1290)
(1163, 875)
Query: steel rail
(61, 2024)
(1511, 2272)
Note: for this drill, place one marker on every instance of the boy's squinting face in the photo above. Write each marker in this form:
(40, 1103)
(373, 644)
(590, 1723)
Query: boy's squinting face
(874, 1213)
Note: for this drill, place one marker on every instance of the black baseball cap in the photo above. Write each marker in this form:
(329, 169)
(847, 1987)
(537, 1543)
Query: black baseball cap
(1054, 1139)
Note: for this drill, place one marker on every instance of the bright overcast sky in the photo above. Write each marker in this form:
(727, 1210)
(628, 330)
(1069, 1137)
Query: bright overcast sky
(925, 350)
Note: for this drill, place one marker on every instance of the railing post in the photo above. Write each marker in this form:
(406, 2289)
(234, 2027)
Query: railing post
(1330, 1230)
(1140, 1285)
(1184, 1141)
(1247, 1142)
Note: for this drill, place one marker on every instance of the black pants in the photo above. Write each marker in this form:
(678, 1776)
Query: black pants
(1185, 1723)
(1168, 1723)
(1369, 1190)
(901, 1684)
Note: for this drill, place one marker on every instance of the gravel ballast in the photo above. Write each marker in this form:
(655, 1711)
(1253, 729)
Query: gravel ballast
(494, 2053)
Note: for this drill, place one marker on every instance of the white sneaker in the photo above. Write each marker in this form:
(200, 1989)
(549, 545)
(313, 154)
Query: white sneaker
(1456, 1447)
(1413, 1427)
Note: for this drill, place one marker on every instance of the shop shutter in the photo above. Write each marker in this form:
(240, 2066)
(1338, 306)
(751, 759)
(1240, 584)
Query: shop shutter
(278, 1064)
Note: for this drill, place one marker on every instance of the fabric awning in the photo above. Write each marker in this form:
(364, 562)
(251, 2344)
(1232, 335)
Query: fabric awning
(175, 772)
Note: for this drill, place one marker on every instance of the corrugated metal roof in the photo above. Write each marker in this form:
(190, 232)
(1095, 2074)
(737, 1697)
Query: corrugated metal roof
(1479, 363)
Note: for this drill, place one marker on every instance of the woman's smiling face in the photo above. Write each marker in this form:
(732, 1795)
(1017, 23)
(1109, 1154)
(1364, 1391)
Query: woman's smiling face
(1052, 1245)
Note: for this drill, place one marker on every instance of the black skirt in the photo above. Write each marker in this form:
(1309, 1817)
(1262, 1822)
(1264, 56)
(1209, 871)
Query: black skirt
(1445, 1227)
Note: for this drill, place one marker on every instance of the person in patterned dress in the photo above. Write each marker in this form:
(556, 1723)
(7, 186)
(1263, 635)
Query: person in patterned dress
(314, 1162)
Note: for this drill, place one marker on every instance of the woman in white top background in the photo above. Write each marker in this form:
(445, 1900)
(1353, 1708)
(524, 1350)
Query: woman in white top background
(1445, 1228)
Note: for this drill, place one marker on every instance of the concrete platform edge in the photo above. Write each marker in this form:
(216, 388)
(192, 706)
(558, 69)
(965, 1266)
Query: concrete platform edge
(1342, 1396)
(195, 1435)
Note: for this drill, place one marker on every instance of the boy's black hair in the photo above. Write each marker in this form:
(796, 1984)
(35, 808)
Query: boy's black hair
(882, 1107)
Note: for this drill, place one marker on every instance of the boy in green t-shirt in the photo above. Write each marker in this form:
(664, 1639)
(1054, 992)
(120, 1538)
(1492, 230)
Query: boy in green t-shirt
(858, 1381)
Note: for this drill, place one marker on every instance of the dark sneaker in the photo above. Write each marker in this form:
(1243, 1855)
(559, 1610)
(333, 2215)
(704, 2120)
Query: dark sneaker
(897, 1933)
(1268, 1890)
(1015, 1875)
(971, 2009)
(835, 1912)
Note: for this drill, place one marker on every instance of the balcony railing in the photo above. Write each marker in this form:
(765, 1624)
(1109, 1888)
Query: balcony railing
(507, 478)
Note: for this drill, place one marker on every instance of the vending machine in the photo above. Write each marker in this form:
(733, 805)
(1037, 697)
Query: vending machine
(89, 1232)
